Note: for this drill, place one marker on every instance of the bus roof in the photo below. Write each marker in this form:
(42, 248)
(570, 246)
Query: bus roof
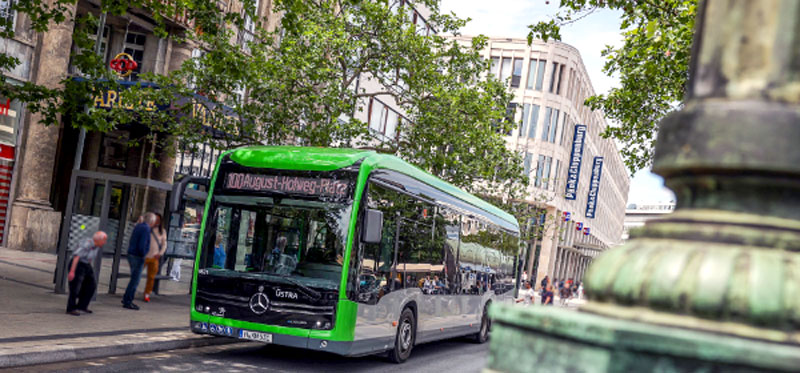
(329, 159)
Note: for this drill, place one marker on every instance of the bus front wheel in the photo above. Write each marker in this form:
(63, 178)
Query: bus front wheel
(406, 335)
(486, 326)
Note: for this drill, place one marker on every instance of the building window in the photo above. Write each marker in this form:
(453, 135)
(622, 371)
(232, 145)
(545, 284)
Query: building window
(560, 78)
(563, 129)
(556, 175)
(516, 75)
(531, 74)
(547, 122)
(554, 126)
(7, 14)
(103, 47)
(134, 46)
(548, 161)
(505, 69)
(553, 75)
(527, 163)
(537, 182)
(197, 54)
(534, 121)
(496, 67)
(540, 74)
(114, 150)
(511, 112)
(383, 120)
(526, 111)
(240, 94)
(248, 32)
(417, 19)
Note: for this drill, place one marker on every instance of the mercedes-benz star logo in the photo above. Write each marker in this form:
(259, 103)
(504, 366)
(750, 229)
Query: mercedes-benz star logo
(259, 303)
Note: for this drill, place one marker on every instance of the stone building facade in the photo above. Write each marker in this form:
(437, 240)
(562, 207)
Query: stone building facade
(550, 84)
(37, 161)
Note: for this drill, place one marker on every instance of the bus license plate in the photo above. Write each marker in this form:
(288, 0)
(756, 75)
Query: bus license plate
(255, 336)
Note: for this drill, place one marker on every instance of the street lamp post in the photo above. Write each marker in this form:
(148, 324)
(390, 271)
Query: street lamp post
(714, 286)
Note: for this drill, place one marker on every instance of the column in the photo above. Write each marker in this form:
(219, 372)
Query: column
(34, 225)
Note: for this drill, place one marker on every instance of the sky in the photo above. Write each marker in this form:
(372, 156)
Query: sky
(590, 35)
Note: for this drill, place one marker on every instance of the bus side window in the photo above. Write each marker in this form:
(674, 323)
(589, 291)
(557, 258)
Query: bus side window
(375, 277)
(469, 256)
(446, 236)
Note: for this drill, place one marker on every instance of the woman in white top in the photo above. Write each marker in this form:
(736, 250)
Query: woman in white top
(158, 246)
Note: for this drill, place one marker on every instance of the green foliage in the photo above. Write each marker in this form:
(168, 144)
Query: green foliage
(652, 65)
(304, 82)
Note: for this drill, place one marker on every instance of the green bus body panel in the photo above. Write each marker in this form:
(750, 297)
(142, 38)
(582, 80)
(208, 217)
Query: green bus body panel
(296, 158)
(328, 159)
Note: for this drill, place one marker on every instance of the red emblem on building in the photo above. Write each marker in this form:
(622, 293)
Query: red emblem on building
(123, 64)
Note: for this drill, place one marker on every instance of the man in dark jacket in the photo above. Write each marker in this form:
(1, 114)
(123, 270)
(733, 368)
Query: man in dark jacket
(137, 248)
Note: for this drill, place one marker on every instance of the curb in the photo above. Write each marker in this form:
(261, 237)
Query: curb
(72, 354)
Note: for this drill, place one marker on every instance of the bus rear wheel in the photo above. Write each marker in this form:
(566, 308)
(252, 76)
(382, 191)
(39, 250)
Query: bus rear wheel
(406, 335)
(486, 326)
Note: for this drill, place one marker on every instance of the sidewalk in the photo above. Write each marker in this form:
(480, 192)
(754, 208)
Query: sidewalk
(35, 329)
(572, 303)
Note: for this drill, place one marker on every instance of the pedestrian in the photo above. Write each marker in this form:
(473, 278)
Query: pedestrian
(158, 246)
(138, 247)
(564, 295)
(526, 295)
(545, 281)
(580, 291)
(547, 296)
(524, 276)
(220, 255)
(81, 276)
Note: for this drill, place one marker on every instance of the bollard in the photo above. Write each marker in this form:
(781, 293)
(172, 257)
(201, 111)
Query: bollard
(715, 286)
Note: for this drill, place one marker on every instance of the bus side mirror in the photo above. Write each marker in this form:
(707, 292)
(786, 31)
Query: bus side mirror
(373, 226)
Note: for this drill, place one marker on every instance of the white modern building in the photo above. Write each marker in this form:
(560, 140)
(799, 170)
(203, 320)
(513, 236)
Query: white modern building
(573, 170)
(637, 214)
(382, 113)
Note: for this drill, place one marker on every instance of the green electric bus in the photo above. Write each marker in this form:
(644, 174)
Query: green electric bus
(347, 251)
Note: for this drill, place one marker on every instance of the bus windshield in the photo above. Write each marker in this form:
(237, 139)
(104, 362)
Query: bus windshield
(279, 239)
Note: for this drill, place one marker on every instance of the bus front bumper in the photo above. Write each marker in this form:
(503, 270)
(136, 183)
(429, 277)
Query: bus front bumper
(346, 348)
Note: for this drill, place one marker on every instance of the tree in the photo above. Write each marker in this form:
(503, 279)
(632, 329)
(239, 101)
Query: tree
(304, 82)
(652, 65)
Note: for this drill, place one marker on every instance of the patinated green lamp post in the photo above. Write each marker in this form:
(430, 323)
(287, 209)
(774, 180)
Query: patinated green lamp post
(716, 285)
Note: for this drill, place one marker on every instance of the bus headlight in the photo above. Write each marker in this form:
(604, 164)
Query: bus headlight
(199, 308)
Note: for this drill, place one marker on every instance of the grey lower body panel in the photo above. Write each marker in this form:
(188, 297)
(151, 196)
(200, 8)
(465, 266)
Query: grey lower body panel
(445, 333)
(357, 348)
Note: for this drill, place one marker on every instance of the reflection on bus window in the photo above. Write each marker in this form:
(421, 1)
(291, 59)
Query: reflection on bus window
(288, 238)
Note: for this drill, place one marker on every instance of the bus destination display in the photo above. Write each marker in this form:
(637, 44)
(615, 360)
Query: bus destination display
(322, 187)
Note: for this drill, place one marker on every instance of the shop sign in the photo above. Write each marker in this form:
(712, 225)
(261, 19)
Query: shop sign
(6, 152)
(578, 226)
(208, 118)
(574, 170)
(567, 215)
(111, 98)
(586, 231)
(123, 64)
(594, 187)
(9, 123)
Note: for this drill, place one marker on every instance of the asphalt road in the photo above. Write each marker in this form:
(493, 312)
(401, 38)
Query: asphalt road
(456, 355)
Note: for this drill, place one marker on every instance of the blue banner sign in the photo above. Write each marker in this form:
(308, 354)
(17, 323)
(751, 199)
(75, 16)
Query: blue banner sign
(594, 187)
(574, 170)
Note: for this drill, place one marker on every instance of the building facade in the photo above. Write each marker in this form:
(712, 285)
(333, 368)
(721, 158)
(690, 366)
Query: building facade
(38, 183)
(637, 214)
(576, 175)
